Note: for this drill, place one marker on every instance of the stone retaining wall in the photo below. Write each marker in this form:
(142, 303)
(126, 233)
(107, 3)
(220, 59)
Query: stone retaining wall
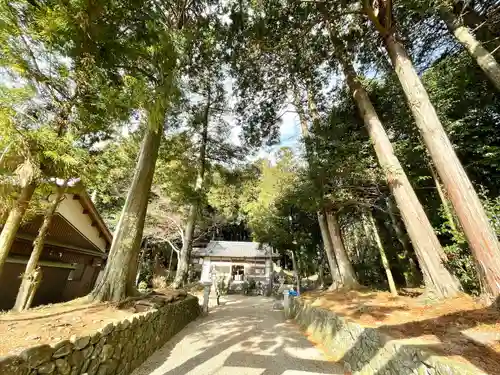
(118, 348)
(366, 351)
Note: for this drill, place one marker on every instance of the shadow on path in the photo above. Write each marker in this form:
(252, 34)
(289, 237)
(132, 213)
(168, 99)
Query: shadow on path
(448, 329)
(246, 337)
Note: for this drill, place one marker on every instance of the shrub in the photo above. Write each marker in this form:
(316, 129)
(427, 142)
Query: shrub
(143, 286)
(245, 287)
(222, 287)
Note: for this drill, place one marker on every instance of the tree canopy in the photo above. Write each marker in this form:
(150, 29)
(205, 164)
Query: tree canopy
(167, 111)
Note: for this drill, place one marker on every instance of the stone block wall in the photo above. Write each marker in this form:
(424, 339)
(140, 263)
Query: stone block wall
(116, 349)
(367, 351)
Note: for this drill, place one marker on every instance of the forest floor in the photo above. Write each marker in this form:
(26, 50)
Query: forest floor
(49, 324)
(461, 327)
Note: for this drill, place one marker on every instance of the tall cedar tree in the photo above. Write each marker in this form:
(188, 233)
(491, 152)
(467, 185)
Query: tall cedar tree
(470, 212)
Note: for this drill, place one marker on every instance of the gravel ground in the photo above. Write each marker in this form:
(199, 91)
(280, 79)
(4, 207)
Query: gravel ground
(243, 336)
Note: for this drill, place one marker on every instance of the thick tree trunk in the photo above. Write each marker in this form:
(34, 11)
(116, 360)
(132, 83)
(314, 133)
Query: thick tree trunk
(35, 283)
(425, 242)
(383, 255)
(471, 215)
(300, 267)
(13, 221)
(332, 238)
(474, 47)
(356, 241)
(347, 273)
(140, 265)
(412, 277)
(187, 245)
(3, 216)
(170, 262)
(321, 272)
(480, 24)
(118, 280)
(183, 261)
(296, 269)
(28, 276)
(330, 253)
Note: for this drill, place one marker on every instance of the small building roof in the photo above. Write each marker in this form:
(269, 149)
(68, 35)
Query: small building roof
(89, 208)
(234, 249)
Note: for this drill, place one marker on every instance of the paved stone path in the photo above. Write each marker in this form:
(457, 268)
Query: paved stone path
(243, 336)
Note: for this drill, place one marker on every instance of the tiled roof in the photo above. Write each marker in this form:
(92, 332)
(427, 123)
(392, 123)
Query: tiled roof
(234, 249)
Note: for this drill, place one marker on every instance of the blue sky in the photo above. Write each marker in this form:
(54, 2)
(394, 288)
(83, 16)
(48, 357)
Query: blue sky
(290, 128)
(289, 132)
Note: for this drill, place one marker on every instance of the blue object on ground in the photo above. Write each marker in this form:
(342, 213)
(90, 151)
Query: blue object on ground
(293, 293)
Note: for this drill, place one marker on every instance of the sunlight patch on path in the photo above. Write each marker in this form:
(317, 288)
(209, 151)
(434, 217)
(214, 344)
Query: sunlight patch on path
(241, 337)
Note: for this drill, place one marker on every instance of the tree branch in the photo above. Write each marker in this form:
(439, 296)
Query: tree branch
(175, 248)
(179, 228)
(371, 15)
(388, 14)
(142, 71)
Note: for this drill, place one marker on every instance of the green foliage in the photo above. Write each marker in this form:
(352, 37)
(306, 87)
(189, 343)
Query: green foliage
(344, 163)
(73, 74)
(245, 287)
(470, 108)
(112, 169)
(463, 99)
(252, 285)
(460, 259)
(462, 264)
(222, 286)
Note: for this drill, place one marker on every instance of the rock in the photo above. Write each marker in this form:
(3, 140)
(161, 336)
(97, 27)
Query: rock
(107, 329)
(63, 366)
(118, 327)
(13, 365)
(80, 342)
(85, 365)
(95, 338)
(87, 352)
(133, 321)
(140, 319)
(107, 352)
(149, 315)
(46, 368)
(278, 306)
(97, 351)
(62, 348)
(93, 367)
(98, 347)
(118, 351)
(107, 368)
(76, 359)
(37, 355)
(125, 324)
(127, 368)
(111, 351)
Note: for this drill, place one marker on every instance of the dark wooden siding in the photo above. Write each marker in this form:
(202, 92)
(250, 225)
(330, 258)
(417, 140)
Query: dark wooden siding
(82, 287)
(55, 286)
(50, 290)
